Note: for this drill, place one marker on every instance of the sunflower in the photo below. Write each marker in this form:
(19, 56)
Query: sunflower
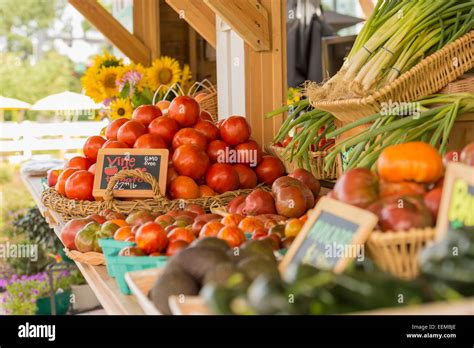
(107, 79)
(91, 85)
(106, 60)
(186, 77)
(120, 108)
(164, 71)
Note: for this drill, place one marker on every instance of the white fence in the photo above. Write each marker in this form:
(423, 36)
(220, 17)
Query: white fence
(25, 137)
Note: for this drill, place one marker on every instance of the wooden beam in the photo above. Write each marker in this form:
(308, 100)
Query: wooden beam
(111, 28)
(248, 18)
(146, 24)
(199, 16)
(265, 77)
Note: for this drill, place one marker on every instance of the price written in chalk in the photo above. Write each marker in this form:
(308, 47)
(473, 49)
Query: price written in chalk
(333, 235)
(112, 161)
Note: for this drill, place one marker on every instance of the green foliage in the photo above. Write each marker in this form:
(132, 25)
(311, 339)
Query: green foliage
(15, 197)
(52, 74)
(31, 228)
(20, 19)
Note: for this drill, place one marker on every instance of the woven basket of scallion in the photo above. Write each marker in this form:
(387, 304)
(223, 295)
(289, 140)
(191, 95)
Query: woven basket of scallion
(406, 50)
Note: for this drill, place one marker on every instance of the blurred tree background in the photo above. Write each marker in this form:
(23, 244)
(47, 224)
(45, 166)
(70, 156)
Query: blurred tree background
(30, 67)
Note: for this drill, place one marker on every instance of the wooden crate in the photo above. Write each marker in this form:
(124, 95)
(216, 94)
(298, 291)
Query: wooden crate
(141, 282)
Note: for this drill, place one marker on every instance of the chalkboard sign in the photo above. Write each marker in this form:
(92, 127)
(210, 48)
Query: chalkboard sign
(112, 161)
(333, 235)
(457, 202)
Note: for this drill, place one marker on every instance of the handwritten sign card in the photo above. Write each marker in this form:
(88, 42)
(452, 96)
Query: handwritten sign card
(457, 202)
(112, 161)
(333, 235)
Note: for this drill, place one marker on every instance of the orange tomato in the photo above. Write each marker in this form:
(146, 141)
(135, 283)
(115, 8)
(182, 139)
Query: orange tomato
(120, 222)
(250, 224)
(234, 236)
(184, 187)
(232, 220)
(211, 229)
(123, 233)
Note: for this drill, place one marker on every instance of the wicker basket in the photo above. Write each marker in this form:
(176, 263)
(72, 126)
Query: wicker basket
(69, 208)
(209, 102)
(316, 162)
(91, 258)
(427, 77)
(397, 252)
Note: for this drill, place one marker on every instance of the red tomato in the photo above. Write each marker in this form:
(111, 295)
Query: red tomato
(149, 141)
(92, 146)
(172, 174)
(206, 191)
(60, 186)
(174, 247)
(217, 150)
(165, 127)
(129, 132)
(196, 209)
(232, 235)
(184, 110)
(113, 127)
(286, 141)
(189, 136)
(249, 153)
(146, 114)
(91, 169)
(79, 186)
(222, 178)
(247, 177)
(207, 128)
(181, 233)
(189, 160)
(451, 156)
(78, 162)
(269, 170)
(235, 130)
(151, 238)
(52, 176)
(114, 144)
(206, 116)
(184, 187)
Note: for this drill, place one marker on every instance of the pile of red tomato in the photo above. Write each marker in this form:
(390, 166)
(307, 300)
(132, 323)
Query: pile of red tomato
(205, 158)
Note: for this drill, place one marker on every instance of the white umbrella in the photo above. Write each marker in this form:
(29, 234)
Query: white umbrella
(66, 101)
(13, 104)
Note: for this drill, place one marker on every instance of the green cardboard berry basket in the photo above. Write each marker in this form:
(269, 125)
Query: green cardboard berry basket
(125, 264)
(111, 247)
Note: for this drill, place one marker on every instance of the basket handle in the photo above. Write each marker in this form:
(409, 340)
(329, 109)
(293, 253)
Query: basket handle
(132, 173)
(205, 85)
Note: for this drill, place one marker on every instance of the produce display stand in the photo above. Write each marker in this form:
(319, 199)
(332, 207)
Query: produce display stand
(104, 287)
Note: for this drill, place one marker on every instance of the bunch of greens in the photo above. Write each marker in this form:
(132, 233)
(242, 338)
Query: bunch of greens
(429, 119)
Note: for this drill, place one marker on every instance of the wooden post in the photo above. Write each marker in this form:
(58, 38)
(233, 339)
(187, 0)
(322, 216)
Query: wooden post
(266, 77)
(146, 24)
(199, 16)
(126, 42)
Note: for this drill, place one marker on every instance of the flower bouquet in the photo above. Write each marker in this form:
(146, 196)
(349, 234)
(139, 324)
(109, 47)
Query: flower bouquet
(123, 87)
